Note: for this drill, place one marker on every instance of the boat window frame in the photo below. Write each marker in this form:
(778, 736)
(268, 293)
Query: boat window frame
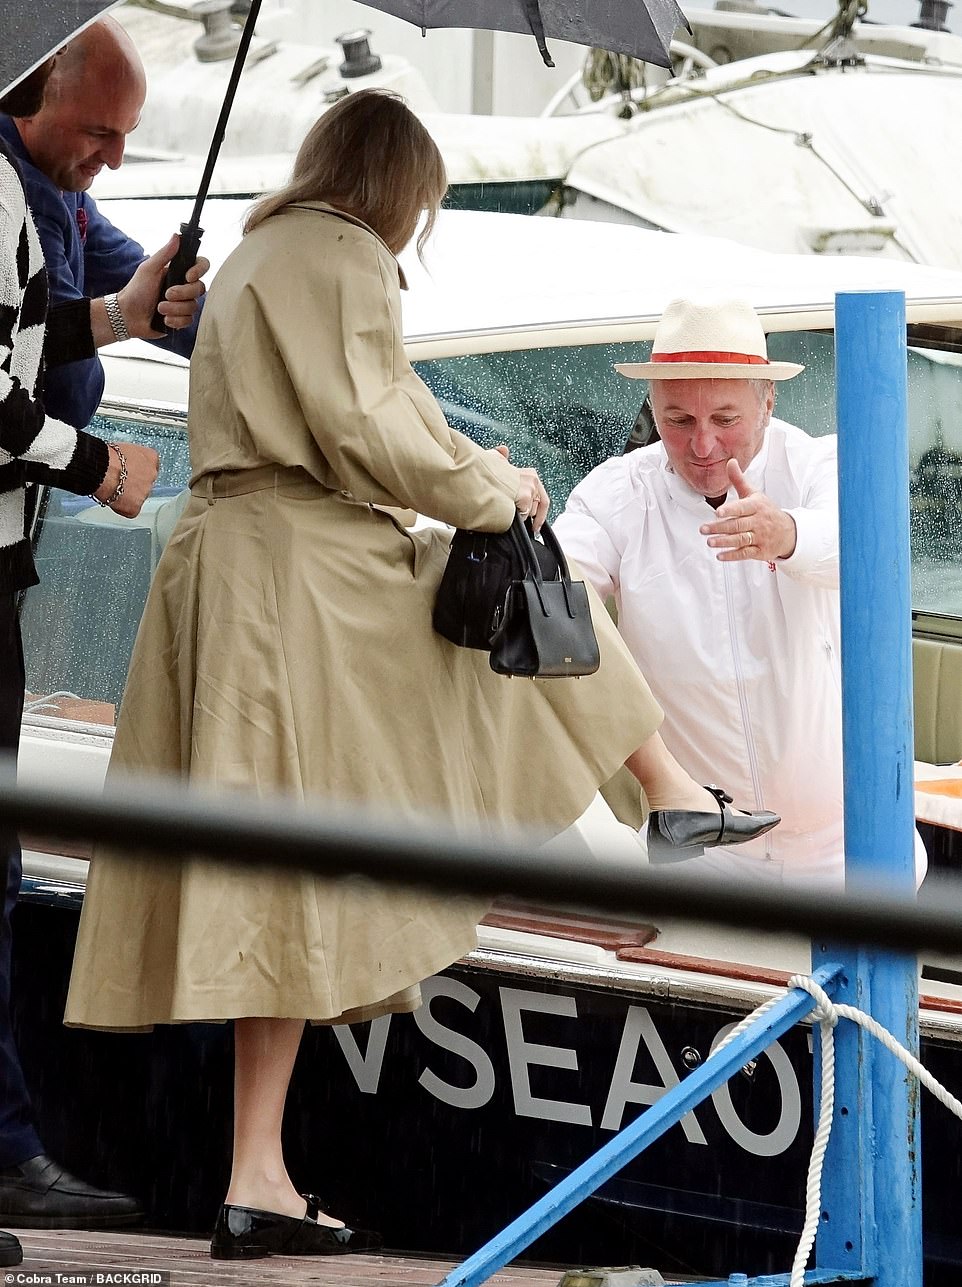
(940, 627)
(942, 314)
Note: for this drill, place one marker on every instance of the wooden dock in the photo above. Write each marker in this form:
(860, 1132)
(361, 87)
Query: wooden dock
(188, 1262)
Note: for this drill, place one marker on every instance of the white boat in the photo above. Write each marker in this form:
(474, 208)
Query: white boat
(787, 153)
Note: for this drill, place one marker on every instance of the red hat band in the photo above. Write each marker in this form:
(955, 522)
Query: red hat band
(710, 355)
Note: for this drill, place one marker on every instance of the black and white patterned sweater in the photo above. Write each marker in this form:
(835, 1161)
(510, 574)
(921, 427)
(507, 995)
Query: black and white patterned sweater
(33, 447)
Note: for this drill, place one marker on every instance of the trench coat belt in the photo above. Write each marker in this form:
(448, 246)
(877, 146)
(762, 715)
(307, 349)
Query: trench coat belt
(221, 483)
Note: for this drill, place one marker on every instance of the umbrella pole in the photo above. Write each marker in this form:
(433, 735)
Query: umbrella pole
(191, 232)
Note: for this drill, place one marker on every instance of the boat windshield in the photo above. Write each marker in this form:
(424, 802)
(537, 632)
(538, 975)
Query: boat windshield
(561, 409)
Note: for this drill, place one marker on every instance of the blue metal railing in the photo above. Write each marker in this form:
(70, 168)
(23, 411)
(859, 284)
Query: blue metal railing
(634, 1138)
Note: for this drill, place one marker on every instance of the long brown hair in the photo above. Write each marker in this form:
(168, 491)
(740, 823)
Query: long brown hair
(371, 157)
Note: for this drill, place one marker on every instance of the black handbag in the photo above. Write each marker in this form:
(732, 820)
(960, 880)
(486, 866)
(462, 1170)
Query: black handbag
(480, 569)
(544, 630)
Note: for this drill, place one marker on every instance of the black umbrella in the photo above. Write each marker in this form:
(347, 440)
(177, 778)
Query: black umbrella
(641, 28)
(34, 29)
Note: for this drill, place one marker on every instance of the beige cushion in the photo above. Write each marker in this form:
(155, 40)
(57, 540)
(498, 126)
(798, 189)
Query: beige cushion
(937, 686)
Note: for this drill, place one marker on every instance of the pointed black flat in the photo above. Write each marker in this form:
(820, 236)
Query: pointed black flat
(677, 834)
(244, 1233)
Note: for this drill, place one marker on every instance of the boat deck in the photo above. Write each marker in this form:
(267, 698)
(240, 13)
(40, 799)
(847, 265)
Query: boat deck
(185, 1262)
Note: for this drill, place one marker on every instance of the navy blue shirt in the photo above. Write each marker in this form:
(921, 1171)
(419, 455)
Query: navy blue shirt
(86, 257)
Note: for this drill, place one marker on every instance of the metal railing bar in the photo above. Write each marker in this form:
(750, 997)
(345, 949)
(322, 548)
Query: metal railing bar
(166, 818)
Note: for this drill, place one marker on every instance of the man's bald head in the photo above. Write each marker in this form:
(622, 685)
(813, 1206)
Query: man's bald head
(93, 100)
(102, 55)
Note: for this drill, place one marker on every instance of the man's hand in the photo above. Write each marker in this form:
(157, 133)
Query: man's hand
(752, 527)
(143, 465)
(138, 299)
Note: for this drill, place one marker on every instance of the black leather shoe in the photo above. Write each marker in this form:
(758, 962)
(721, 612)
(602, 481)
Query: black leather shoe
(244, 1233)
(40, 1194)
(677, 834)
(11, 1253)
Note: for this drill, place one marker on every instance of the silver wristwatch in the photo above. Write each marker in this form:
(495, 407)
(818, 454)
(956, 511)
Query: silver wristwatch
(116, 318)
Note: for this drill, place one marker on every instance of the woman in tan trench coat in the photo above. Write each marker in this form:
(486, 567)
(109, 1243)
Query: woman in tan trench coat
(287, 646)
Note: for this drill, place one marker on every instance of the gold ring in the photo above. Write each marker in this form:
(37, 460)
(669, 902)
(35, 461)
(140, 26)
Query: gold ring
(751, 538)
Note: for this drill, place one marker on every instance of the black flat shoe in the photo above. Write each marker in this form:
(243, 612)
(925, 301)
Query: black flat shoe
(11, 1253)
(244, 1233)
(677, 834)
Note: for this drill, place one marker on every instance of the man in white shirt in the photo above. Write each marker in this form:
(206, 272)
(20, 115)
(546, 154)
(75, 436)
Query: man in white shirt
(720, 547)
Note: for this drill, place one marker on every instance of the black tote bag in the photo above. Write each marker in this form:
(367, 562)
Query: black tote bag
(480, 568)
(512, 595)
(544, 630)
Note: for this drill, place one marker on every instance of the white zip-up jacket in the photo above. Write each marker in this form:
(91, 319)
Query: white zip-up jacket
(743, 657)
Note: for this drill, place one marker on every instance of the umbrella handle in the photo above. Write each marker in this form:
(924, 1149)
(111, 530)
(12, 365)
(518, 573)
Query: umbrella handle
(177, 269)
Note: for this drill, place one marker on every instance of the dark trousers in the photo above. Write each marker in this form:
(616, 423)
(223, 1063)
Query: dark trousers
(18, 1139)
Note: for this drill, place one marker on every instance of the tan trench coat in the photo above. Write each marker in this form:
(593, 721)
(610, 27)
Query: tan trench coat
(287, 646)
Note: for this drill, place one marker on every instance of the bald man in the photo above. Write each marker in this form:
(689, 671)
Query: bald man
(92, 101)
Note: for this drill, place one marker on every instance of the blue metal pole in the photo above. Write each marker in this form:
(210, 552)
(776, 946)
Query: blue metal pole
(871, 1194)
(635, 1137)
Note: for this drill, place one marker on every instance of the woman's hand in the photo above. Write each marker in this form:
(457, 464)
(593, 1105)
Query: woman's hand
(532, 501)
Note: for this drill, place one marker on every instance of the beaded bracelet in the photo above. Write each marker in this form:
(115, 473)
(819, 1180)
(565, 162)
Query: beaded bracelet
(119, 489)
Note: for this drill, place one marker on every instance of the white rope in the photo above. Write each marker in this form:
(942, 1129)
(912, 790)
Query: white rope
(827, 1015)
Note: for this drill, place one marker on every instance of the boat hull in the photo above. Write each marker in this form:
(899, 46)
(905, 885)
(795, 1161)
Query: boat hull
(440, 1127)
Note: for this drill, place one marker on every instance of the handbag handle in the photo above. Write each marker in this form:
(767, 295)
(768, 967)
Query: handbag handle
(523, 537)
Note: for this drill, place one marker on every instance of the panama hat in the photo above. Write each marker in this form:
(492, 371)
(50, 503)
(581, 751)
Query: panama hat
(719, 339)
